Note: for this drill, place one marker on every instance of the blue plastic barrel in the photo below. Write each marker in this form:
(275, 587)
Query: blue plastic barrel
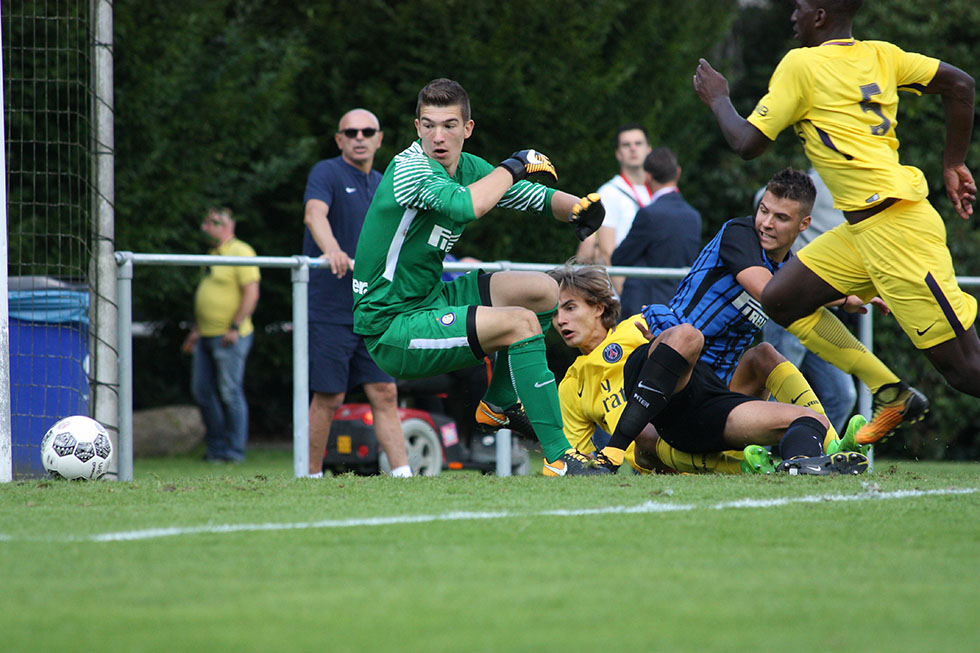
(48, 364)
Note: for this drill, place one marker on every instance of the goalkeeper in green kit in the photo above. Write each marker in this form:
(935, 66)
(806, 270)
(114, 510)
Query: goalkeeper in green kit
(416, 325)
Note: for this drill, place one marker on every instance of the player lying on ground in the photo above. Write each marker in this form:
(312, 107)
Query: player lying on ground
(416, 325)
(593, 393)
(841, 96)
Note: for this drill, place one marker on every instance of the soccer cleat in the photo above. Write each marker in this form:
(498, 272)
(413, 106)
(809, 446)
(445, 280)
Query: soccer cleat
(892, 405)
(757, 460)
(847, 441)
(844, 462)
(490, 418)
(602, 460)
(573, 463)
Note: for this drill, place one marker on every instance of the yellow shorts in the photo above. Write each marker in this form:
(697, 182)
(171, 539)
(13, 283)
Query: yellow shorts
(900, 255)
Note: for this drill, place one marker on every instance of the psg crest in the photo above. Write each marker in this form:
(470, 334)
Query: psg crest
(612, 353)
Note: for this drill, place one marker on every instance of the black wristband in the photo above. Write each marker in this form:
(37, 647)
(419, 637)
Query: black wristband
(235, 327)
(514, 167)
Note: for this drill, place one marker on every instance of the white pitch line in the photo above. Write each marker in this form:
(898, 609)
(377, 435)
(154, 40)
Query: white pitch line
(643, 508)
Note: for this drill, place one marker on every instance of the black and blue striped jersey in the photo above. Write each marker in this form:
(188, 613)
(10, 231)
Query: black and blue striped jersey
(710, 299)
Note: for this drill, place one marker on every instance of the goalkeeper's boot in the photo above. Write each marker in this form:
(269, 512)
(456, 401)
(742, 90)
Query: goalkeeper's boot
(573, 463)
(844, 462)
(892, 405)
(757, 460)
(607, 459)
(490, 418)
(847, 442)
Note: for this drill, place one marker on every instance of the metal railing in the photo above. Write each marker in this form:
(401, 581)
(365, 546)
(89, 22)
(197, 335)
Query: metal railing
(300, 276)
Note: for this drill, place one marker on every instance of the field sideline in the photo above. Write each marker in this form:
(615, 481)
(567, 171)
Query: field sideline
(195, 557)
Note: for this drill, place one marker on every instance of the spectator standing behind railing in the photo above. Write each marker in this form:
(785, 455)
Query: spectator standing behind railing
(666, 233)
(338, 193)
(622, 196)
(221, 339)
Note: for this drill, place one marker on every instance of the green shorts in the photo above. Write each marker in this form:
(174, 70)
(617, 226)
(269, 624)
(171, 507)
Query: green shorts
(438, 337)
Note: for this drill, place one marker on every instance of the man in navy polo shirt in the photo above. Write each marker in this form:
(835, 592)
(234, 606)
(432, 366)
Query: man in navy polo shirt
(338, 193)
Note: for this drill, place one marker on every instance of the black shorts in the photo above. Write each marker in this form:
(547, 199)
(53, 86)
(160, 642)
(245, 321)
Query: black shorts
(694, 419)
(339, 361)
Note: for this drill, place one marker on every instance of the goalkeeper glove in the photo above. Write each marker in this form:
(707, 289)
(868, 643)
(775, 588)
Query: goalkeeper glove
(587, 215)
(529, 164)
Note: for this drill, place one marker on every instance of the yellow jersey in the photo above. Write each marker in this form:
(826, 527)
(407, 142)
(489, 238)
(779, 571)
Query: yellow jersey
(592, 394)
(219, 294)
(842, 99)
(592, 391)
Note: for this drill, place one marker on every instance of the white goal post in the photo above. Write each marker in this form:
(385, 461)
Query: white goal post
(6, 450)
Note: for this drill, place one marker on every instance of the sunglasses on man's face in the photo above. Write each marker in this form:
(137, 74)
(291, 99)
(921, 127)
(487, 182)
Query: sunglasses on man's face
(352, 133)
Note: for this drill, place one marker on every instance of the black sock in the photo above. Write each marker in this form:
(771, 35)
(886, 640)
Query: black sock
(804, 437)
(654, 387)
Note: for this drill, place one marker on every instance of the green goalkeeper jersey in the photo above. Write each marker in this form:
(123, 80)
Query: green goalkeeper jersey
(415, 218)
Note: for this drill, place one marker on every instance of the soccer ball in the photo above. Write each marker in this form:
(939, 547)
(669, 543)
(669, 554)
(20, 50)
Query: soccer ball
(76, 447)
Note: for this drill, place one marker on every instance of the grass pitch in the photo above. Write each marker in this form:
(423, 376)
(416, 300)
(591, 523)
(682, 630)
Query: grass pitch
(191, 557)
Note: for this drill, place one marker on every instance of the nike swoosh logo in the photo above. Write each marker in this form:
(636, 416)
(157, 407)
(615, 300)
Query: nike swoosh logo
(492, 417)
(560, 471)
(350, 190)
(640, 384)
(541, 385)
(797, 398)
(581, 388)
(926, 329)
(812, 468)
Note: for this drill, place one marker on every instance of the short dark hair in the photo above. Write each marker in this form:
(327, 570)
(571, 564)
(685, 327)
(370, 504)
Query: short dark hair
(661, 163)
(593, 285)
(630, 126)
(443, 92)
(794, 185)
(840, 9)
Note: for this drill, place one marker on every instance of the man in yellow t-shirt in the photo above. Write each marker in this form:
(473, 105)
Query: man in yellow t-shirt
(841, 97)
(221, 339)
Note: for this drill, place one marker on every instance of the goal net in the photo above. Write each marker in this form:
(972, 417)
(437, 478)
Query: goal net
(54, 239)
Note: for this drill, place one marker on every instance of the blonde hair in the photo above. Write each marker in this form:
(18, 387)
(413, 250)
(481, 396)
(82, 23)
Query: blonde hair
(593, 285)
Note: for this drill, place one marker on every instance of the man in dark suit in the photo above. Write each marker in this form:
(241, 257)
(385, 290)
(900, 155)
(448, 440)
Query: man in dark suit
(666, 233)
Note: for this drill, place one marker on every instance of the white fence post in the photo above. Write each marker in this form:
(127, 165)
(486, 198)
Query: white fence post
(301, 370)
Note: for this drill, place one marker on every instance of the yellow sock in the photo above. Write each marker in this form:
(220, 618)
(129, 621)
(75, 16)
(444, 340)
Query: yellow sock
(614, 454)
(788, 385)
(726, 462)
(823, 334)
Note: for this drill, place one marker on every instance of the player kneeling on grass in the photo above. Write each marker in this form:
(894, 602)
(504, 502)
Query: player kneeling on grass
(594, 393)
(416, 325)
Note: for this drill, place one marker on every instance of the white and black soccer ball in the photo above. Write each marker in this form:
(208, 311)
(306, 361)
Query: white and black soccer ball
(76, 447)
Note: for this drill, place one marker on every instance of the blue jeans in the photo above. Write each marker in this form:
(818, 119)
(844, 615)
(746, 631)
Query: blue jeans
(217, 383)
(834, 388)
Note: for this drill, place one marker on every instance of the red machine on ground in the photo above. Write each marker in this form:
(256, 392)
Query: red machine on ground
(432, 443)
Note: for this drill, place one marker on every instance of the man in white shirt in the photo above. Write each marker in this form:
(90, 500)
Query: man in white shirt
(623, 196)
